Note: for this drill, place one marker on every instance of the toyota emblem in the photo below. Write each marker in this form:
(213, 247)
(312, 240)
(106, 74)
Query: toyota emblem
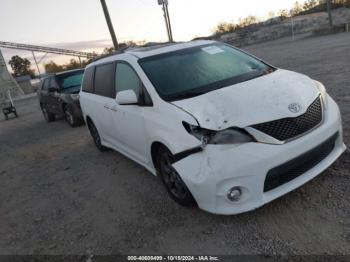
(294, 108)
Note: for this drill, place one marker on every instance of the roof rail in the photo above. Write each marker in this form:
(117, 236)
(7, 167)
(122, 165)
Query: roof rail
(115, 52)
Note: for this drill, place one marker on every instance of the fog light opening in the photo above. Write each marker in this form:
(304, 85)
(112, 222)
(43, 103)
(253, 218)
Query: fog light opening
(234, 194)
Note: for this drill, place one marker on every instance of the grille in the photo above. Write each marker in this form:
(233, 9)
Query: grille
(287, 128)
(292, 169)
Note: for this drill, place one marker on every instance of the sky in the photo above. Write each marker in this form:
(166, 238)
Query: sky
(80, 24)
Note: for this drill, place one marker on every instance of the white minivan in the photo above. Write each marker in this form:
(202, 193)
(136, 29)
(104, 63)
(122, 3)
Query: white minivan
(222, 128)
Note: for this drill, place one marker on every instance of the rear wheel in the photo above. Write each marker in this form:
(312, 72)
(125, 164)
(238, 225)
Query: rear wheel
(48, 116)
(96, 137)
(172, 181)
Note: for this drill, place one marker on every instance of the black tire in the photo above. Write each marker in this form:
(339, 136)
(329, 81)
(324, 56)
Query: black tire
(6, 117)
(172, 181)
(96, 137)
(71, 119)
(49, 117)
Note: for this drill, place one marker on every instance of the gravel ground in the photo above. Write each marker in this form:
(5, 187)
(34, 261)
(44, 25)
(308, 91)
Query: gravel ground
(59, 195)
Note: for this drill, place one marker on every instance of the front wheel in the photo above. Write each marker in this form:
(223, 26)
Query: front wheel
(47, 115)
(172, 181)
(96, 137)
(72, 120)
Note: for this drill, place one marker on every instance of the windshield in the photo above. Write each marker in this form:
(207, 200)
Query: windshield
(70, 82)
(190, 72)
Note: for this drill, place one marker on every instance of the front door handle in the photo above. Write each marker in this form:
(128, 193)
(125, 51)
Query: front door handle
(113, 108)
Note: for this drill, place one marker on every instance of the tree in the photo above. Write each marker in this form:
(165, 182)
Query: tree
(224, 27)
(310, 4)
(247, 21)
(73, 64)
(20, 66)
(297, 8)
(283, 14)
(108, 50)
(52, 67)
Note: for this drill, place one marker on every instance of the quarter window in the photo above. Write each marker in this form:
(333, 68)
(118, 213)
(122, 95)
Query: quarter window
(46, 84)
(104, 80)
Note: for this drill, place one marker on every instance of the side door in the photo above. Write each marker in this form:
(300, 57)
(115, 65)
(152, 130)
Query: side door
(44, 94)
(54, 97)
(104, 101)
(129, 119)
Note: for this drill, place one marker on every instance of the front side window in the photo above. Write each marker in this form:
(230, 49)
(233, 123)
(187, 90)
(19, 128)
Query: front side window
(104, 80)
(127, 79)
(194, 71)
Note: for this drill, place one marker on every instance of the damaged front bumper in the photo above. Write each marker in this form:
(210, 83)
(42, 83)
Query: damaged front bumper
(211, 173)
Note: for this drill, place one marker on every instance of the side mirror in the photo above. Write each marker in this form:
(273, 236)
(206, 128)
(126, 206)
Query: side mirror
(127, 97)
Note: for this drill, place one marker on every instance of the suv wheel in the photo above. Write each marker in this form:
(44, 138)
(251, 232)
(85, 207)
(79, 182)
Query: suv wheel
(172, 181)
(72, 120)
(48, 116)
(96, 137)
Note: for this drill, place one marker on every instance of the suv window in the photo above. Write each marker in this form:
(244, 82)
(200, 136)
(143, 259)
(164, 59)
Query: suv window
(104, 80)
(46, 84)
(87, 80)
(127, 79)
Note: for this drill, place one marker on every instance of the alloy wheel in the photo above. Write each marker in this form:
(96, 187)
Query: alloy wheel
(171, 178)
(69, 117)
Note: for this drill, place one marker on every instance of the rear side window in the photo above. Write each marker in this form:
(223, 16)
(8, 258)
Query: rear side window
(104, 80)
(46, 84)
(87, 80)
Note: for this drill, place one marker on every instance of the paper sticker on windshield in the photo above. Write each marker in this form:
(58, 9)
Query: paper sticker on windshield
(212, 50)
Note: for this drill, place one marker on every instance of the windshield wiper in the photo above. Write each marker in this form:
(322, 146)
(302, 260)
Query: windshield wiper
(188, 94)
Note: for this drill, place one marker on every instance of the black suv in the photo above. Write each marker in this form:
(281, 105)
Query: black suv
(59, 96)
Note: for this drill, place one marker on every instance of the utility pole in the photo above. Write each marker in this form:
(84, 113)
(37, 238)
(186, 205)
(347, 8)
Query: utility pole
(329, 10)
(293, 35)
(110, 25)
(164, 3)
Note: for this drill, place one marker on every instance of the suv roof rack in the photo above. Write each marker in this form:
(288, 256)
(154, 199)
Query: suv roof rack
(146, 47)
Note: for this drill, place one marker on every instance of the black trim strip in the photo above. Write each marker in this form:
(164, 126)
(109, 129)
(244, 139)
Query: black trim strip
(296, 167)
(186, 153)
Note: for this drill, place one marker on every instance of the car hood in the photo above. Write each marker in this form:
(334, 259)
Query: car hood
(259, 100)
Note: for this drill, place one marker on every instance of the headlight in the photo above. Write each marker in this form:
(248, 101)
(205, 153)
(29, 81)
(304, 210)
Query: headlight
(75, 96)
(227, 136)
(322, 90)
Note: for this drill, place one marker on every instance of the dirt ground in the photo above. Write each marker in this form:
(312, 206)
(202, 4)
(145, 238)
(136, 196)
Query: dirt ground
(59, 195)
